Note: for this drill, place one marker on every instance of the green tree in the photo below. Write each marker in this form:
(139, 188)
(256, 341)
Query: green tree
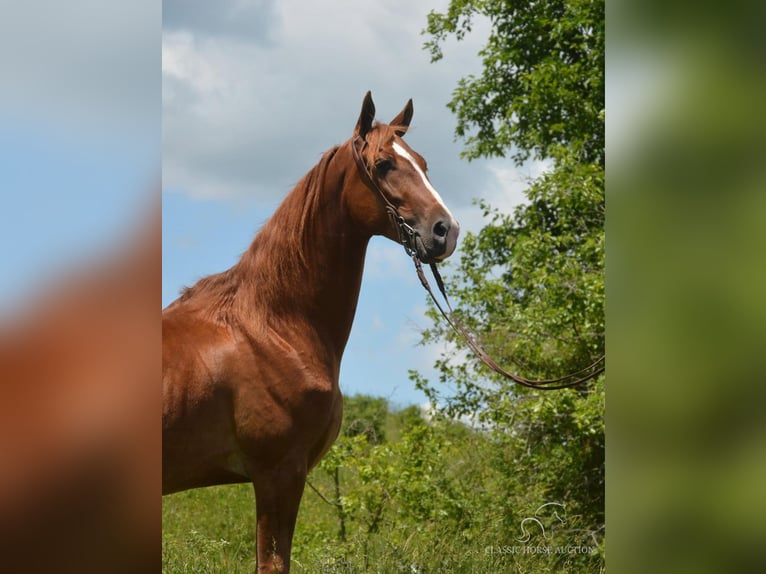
(530, 284)
(542, 86)
(365, 415)
(362, 432)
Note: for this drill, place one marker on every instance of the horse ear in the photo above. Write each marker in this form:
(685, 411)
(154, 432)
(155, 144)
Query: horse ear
(403, 119)
(364, 123)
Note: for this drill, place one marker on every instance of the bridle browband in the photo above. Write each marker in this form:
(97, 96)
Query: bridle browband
(408, 238)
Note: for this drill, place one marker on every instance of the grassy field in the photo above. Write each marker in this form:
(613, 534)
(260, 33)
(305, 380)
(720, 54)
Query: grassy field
(417, 498)
(211, 531)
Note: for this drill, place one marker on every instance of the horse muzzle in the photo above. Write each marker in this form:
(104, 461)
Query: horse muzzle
(439, 241)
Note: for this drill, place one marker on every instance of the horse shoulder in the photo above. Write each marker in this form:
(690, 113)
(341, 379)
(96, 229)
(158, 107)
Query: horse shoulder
(285, 391)
(194, 358)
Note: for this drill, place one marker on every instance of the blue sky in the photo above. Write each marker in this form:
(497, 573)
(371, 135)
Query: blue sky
(252, 96)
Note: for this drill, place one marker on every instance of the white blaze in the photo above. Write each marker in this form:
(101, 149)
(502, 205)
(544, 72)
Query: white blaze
(403, 152)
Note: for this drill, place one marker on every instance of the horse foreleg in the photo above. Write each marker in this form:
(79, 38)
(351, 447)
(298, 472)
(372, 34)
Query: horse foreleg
(277, 497)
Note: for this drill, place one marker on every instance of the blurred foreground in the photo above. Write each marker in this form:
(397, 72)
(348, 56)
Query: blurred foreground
(79, 417)
(80, 101)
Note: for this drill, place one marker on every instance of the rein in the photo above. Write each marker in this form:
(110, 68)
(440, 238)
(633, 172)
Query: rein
(408, 238)
(570, 380)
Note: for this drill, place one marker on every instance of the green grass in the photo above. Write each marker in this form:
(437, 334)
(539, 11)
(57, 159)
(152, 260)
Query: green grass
(209, 530)
(212, 530)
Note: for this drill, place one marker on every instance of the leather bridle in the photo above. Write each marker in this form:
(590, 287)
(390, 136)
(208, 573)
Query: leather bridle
(407, 235)
(408, 239)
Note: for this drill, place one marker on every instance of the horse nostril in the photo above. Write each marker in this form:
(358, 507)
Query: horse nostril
(441, 229)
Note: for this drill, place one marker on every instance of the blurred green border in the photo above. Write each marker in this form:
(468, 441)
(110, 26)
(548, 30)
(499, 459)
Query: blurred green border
(686, 288)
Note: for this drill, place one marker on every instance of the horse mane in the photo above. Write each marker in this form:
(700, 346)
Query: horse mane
(274, 262)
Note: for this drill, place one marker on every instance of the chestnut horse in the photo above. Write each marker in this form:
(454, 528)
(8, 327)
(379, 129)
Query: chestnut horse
(251, 356)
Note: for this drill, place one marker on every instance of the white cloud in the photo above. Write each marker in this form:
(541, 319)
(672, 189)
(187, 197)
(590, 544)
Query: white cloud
(504, 189)
(244, 117)
(183, 62)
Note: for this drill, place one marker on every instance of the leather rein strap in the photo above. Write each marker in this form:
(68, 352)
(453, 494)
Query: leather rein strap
(571, 380)
(408, 238)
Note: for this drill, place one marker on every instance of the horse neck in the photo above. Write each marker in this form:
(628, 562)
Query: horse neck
(305, 266)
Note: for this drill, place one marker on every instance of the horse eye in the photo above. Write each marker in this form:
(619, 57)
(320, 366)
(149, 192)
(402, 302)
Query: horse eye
(383, 166)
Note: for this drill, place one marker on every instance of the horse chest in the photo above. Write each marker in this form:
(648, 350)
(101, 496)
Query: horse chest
(285, 394)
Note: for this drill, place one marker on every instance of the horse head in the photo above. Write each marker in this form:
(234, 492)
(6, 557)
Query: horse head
(405, 207)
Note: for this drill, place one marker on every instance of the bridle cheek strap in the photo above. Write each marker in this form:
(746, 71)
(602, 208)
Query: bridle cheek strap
(408, 237)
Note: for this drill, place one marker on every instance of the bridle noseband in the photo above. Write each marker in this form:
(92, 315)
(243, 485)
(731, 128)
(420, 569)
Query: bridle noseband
(408, 239)
(407, 235)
